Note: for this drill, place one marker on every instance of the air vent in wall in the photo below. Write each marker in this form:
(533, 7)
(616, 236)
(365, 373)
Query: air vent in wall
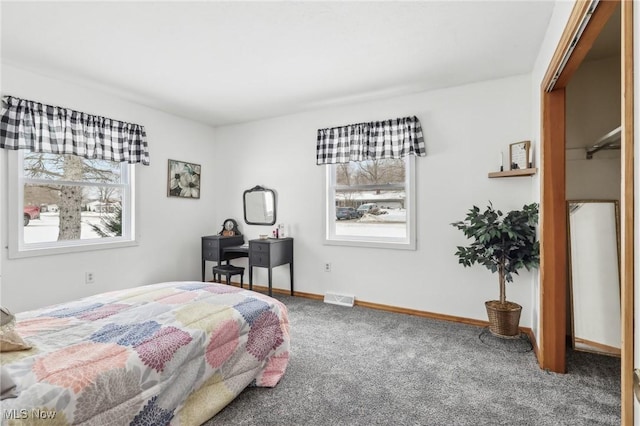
(339, 299)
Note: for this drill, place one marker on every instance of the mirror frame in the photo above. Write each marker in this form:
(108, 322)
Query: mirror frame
(259, 188)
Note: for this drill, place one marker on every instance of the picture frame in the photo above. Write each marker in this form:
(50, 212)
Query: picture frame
(519, 155)
(183, 179)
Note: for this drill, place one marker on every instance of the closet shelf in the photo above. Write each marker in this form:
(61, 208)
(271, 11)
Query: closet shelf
(513, 173)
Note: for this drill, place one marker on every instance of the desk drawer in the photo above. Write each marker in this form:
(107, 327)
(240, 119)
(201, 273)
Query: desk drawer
(210, 249)
(259, 247)
(259, 259)
(210, 255)
(210, 244)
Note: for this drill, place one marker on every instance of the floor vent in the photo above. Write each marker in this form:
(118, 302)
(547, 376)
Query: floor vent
(339, 299)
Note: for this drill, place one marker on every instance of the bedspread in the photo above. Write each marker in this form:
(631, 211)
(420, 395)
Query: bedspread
(169, 353)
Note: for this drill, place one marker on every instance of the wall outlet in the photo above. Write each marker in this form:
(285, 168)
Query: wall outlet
(327, 267)
(89, 278)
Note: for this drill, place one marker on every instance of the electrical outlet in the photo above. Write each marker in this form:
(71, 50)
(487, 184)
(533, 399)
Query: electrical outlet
(89, 278)
(327, 267)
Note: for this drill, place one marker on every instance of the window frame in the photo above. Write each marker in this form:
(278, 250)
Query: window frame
(329, 221)
(19, 249)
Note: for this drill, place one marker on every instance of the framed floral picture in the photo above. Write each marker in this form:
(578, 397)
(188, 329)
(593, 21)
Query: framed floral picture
(183, 179)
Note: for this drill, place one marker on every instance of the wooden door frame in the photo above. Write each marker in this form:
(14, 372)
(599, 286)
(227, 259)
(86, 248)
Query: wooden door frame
(568, 56)
(627, 202)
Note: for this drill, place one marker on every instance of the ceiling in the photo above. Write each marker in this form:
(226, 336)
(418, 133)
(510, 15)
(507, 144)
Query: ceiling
(230, 62)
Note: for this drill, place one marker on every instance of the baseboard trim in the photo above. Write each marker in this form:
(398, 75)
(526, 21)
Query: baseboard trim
(532, 338)
(599, 348)
(437, 316)
(424, 314)
(398, 310)
(265, 289)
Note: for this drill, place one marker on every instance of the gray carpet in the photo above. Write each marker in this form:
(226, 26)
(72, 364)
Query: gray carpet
(358, 366)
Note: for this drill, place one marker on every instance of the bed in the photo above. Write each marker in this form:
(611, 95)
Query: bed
(170, 353)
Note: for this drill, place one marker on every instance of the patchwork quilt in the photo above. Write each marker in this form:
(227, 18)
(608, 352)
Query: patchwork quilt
(170, 353)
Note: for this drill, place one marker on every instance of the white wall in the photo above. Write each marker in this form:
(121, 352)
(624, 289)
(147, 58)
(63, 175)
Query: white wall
(464, 127)
(169, 229)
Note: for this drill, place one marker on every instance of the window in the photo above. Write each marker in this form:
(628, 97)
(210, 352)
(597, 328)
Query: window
(371, 203)
(69, 203)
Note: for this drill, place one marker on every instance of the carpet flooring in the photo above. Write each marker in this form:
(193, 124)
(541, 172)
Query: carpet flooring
(359, 366)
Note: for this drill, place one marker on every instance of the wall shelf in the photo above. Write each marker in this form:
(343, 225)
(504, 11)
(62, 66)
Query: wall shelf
(512, 173)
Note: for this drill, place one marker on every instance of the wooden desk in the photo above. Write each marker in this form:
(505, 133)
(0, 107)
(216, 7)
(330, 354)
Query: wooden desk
(270, 253)
(213, 249)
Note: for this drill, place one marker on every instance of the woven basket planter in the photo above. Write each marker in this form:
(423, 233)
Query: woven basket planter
(503, 318)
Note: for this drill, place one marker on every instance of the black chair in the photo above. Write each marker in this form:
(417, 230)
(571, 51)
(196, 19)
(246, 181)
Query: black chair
(228, 270)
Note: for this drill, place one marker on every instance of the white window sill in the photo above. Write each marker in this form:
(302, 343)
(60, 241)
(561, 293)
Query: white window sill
(371, 244)
(75, 248)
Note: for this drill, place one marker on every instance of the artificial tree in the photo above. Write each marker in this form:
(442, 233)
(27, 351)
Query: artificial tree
(503, 244)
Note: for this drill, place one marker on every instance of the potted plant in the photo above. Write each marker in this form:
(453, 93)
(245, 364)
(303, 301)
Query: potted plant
(503, 244)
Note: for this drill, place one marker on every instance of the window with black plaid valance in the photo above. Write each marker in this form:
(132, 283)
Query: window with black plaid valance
(49, 129)
(375, 140)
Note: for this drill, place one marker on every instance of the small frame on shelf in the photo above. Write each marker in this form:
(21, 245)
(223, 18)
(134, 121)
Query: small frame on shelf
(519, 155)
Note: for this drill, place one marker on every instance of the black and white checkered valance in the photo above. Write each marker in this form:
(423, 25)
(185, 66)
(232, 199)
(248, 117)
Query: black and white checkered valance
(44, 128)
(370, 141)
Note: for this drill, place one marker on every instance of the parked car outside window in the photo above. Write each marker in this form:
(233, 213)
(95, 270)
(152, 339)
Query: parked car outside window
(31, 212)
(346, 213)
(367, 208)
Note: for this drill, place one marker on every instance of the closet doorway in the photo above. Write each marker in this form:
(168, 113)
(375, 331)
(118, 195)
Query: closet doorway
(592, 142)
(585, 24)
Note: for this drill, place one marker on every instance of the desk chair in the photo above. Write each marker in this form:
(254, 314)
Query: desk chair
(228, 270)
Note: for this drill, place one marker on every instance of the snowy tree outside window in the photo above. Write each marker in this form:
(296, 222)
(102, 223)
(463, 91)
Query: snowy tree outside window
(67, 200)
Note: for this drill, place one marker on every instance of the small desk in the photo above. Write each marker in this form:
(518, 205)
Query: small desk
(270, 253)
(213, 249)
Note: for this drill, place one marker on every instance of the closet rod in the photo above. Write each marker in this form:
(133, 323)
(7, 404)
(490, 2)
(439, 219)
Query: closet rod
(605, 142)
